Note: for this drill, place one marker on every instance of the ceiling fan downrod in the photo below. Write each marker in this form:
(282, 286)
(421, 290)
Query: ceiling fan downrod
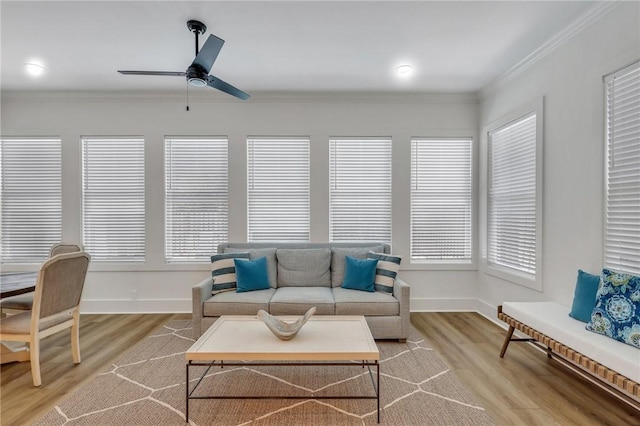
(197, 28)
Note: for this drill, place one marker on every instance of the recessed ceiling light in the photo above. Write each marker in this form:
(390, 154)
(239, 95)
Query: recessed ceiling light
(34, 69)
(404, 69)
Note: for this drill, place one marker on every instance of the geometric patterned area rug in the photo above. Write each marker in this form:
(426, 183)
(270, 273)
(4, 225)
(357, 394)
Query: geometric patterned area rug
(146, 386)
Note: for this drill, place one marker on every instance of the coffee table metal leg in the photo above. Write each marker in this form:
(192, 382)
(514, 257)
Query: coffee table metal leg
(378, 388)
(186, 401)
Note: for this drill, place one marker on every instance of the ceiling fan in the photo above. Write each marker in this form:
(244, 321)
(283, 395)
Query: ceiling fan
(198, 72)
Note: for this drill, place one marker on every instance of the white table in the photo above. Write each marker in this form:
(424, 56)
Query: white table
(323, 340)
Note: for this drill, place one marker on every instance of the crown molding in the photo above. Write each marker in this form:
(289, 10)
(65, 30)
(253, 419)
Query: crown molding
(256, 97)
(583, 21)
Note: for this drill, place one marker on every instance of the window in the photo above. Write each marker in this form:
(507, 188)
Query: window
(31, 198)
(360, 189)
(278, 189)
(196, 197)
(113, 222)
(622, 199)
(513, 202)
(441, 194)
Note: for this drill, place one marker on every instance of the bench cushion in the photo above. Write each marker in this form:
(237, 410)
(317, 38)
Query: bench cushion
(232, 303)
(355, 302)
(298, 300)
(553, 319)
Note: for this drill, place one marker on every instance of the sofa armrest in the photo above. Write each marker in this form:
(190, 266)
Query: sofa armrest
(199, 294)
(402, 292)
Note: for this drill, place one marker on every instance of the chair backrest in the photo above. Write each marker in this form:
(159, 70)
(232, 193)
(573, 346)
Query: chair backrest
(61, 248)
(60, 283)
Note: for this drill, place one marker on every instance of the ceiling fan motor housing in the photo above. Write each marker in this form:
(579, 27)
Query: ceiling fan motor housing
(197, 76)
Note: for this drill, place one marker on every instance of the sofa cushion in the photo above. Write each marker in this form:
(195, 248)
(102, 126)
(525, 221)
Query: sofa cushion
(337, 260)
(617, 310)
(297, 301)
(354, 302)
(256, 253)
(223, 270)
(304, 268)
(232, 303)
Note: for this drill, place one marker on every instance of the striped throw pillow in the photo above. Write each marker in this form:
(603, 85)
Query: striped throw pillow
(223, 270)
(386, 271)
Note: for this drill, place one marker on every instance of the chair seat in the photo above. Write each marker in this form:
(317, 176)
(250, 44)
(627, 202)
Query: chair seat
(22, 302)
(21, 323)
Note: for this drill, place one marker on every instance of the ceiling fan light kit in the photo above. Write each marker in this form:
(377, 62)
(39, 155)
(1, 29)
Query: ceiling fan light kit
(198, 72)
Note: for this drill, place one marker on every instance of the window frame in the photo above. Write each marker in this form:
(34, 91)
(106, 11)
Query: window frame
(333, 142)
(55, 139)
(222, 140)
(134, 262)
(446, 264)
(517, 277)
(633, 67)
(250, 173)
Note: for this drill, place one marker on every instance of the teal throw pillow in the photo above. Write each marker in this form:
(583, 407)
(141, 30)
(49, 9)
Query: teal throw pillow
(251, 274)
(584, 298)
(359, 274)
(617, 310)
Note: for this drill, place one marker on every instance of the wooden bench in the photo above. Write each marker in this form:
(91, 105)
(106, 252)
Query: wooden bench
(624, 387)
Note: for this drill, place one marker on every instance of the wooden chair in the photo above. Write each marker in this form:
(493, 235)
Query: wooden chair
(23, 302)
(56, 307)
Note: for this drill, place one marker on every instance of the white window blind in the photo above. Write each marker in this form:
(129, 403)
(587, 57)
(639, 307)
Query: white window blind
(441, 194)
(196, 197)
(113, 198)
(31, 198)
(360, 189)
(278, 189)
(511, 227)
(622, 209)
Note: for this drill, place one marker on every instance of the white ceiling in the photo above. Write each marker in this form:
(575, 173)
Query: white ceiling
(277, 46)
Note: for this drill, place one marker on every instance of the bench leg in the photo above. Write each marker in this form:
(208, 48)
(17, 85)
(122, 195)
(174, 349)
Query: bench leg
(549, 352)
(507, 339)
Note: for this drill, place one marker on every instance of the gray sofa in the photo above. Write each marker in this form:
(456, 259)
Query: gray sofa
(302, 275)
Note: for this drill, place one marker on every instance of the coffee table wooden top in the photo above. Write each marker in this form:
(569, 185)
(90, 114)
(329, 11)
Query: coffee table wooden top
(322, 338)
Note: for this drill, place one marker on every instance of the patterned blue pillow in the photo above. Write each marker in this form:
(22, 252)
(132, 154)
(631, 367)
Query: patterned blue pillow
(617, 310)
(223, 270)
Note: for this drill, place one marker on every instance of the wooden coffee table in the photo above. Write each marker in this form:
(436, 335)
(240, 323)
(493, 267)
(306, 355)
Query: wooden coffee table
(323, 341)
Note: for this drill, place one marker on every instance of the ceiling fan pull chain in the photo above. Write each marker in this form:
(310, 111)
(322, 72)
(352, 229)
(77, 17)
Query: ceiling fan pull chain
(187, 96)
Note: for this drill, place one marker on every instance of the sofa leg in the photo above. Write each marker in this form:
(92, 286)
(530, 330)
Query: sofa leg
(402, 340)
(507, 339)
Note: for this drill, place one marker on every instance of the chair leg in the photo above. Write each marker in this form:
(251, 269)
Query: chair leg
(75, 338)
(34, 356)
(507, 339)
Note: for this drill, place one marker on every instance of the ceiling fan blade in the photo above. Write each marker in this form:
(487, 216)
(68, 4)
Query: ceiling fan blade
(216, 83)
(209, 52)
(169, 73)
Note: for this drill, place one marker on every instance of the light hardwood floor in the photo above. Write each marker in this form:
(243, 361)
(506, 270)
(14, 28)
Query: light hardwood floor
(524, 388)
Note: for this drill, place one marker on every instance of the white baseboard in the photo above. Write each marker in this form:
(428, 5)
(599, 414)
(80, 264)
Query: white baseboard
(145, 306)
(175, 306)
(443, 305)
